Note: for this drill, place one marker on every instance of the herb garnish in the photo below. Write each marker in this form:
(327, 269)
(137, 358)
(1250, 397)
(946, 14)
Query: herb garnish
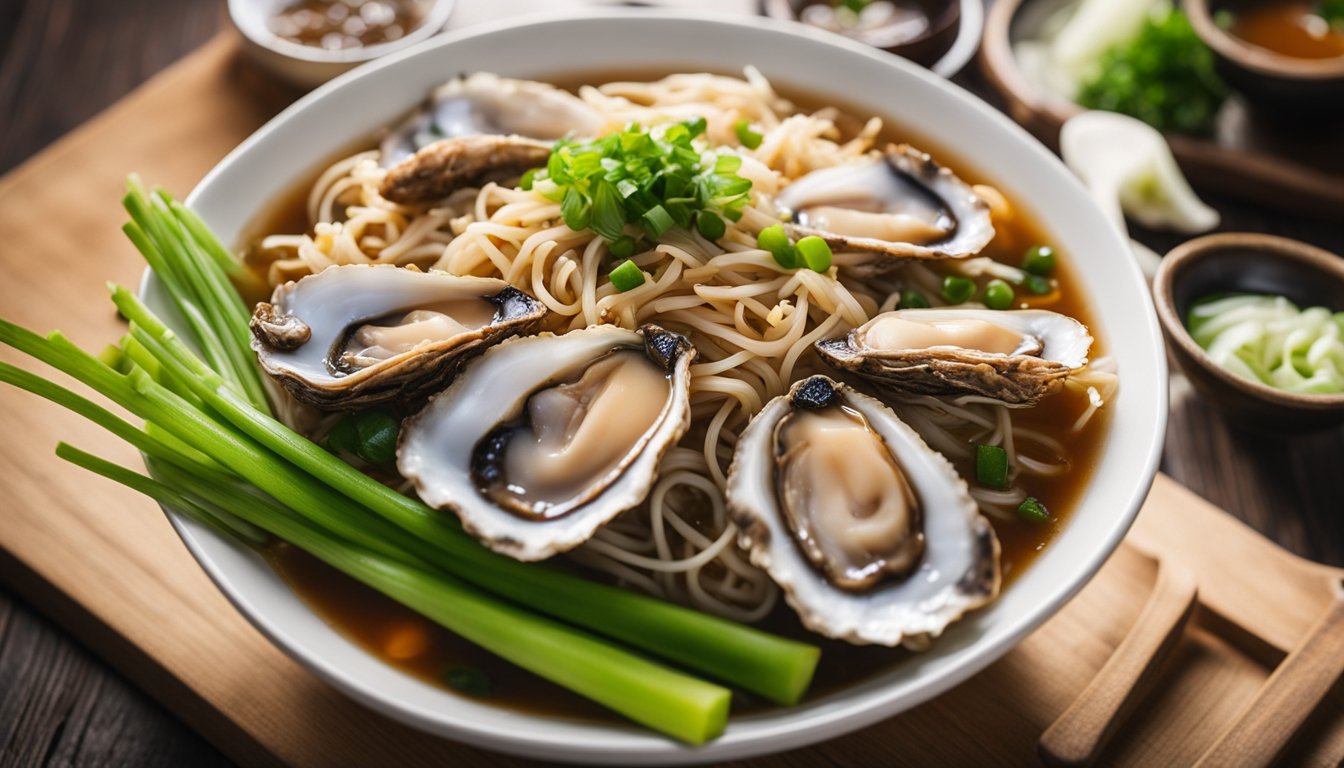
(653, 177)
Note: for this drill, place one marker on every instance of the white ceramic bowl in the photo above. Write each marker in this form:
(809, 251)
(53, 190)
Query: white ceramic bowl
(307, 66)
(307, 134)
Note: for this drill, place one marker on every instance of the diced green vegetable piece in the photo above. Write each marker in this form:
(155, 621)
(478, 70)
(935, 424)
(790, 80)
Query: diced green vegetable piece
(991, 466)
(776, 241)
(998, 294)
(912, 299)
(748, 138)
(816, 254)
(626, 276)
(710, 225)
(657, 221)
(377, 432)
(958, 289)
(1037, 285)
(622, 247)
(1039, 260)
(1033, 511)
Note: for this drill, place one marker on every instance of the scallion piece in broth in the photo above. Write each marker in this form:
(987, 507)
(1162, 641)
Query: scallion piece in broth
(991, 466)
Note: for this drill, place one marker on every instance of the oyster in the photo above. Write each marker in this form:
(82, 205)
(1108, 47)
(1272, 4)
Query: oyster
(479, 128)
(872, 536)
(487, 104)
(543, 440)
(360, 335)
(1014, 356)
(900, 205)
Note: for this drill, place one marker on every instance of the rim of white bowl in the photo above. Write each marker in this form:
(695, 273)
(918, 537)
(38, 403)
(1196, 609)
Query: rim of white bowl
(777, 730)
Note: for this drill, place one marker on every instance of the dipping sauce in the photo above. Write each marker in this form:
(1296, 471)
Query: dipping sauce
(342, 24)
(1294, 28)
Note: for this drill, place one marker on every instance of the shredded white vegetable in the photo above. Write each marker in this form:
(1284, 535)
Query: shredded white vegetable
(1270, 340)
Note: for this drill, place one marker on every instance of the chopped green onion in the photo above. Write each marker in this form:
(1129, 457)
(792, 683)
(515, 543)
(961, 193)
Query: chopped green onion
(528, 179)
(627, 276)
(470, 681)
(696, 126)
(912, 299)
(991, 466)
(774, 239)
(998, 294)
(657, 221)
(710, 225)
(1033, 511)
(749, 138)
(622, 247)
(958, 289)
(1038, 285)
(370, 435)
(575, 210)
(1039, 260)
(815, 252)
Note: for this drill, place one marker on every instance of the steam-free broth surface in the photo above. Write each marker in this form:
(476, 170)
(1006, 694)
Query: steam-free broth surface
(417, 646)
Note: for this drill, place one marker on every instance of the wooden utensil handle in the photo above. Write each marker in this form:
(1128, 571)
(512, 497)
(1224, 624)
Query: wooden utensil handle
(1288, 697)
(1078, 735)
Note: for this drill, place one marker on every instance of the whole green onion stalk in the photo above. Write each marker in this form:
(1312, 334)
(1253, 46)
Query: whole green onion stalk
(221, 457)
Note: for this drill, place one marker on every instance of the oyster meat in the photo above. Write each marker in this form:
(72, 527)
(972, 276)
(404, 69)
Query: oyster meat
(356, 336)
(872, 536)
(899, 205)
(543, 440)
(1014, 356)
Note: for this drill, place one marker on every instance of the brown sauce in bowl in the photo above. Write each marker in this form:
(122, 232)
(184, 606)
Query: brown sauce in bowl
(344, 24)
(1289, 28)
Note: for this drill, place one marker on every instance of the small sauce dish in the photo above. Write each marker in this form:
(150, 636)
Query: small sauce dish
(311, 63)
(1291, 87)
(919, 30)
(1248, 263)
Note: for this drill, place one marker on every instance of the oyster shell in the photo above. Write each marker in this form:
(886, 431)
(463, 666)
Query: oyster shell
(872, 536)
(1014, 356)
(360, 335)
(543, 440)
(487, 104)
(898, 206)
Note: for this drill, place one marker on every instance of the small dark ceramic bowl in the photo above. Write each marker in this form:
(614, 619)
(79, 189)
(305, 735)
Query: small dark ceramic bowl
(1289, 87)
(923, 49)
(1248, 263)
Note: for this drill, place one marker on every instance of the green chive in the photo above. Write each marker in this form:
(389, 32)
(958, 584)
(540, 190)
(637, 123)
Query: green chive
(608, 212)
(574, 209)
(815, 252)
(911, 299)
(998, 294)
(696, 126)
(710, 225)
(626, 276)
(991, 466)
(748, 138)
(1039, 260)
(528, 179)
(1033, 511)
(657, 221)
(957, 289)
(622, 247)
(377, 431)
(1037, 285)
(776, 241)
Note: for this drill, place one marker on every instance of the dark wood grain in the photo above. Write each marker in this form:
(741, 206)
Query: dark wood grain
(62, 61)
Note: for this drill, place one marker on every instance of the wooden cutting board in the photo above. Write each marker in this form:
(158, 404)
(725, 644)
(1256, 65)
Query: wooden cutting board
(105, 564)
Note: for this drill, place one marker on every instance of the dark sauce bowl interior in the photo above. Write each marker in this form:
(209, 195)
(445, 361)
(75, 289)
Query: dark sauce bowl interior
(1248, 263)
(925, 48)
(1285, 87)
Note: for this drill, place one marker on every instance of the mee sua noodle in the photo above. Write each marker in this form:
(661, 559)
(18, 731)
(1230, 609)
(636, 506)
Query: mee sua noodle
(753, 322)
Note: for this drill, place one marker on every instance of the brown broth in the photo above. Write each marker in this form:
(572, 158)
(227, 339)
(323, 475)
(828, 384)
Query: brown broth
(421, 648)
(1291, 28)
(342, 24)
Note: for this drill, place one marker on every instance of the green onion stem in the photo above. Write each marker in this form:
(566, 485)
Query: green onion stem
(774, 667)
(647, 692)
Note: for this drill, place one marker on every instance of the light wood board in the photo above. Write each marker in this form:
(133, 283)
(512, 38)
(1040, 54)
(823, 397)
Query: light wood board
(105, 564)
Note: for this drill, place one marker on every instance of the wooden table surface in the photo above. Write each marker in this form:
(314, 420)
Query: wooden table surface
(62, 61)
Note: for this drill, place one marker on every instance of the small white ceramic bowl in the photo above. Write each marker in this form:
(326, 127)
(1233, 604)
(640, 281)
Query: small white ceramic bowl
(307, 135)
(308, 66)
